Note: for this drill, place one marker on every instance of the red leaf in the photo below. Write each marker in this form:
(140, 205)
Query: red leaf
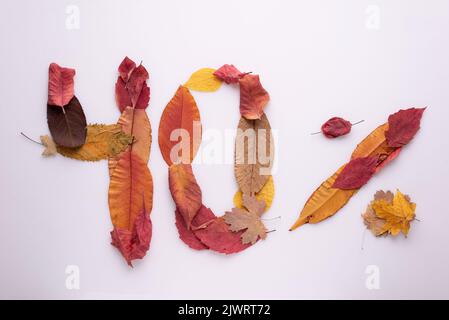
(336, 127)
(60, 85)
(126, 67)
(133, 245)
(402, 126)
(356, 173)
(217, 236)
(186, 235)
(253, 97)
(388, 159)
(131, 89)
(229, 74)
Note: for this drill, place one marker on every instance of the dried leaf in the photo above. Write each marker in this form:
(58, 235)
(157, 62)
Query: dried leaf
(336, 127)
(403, 126)
(130, 191)
(253, 154)
(135, 123)
(181, 119)
(229, 74)
(67, 124)
(253, 97)
(131, 89)
(185, 191)
(188, 235)
(356, 173)
(217, 237)
(266, 194)
(102, 141)
(203, 80)
(248, 220)
(60, 85)
(387, 158)
(389, 214)
(50, 146)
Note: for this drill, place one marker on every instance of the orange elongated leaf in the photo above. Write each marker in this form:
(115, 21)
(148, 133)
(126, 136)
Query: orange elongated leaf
(135, 122)
(180, 128)
(253, 97)
(185, 191)
(254, 152)
(324, 202)
(130, 191)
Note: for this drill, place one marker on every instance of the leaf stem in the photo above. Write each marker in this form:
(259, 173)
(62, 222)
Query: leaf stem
(23, 134)
(271, 231)
(353, 124)
(269, 219)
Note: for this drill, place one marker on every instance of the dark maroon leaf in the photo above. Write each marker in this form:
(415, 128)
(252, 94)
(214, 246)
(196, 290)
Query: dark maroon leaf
(402, 126)
(356, 173)
(67, 124)
(336, 127)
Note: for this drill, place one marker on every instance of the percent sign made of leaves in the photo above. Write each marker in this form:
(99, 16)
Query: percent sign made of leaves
(179, 139)
(378, 149)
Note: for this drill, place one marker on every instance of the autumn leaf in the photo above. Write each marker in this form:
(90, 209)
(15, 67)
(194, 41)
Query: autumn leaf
(253, 154)
(248, 220)
(216, 235)
(60, 85)
(102, 141)
(130, 190)
(336, 127)
(185, 191)
(203, 80)
(67, 124)
(135, 123)
(229, 74)
(266, 194)
(403, 126)
(389, 214)
(356, 173)
(50, 146)
(325, 201)
(253, 97)
(180, 120)
(131, 89)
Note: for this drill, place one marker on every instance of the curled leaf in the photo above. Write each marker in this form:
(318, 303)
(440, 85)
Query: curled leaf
(336, 127)
(60, 85)
(203, 80)
(67, 124)
(356, 173)
(102, 141)
(185, 191)
(403, 126)
(229, 74)
(180, 128)
(253, 97)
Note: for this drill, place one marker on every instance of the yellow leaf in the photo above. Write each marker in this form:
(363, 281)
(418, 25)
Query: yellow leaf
(102, 141)
(203, 80)
(266, 194)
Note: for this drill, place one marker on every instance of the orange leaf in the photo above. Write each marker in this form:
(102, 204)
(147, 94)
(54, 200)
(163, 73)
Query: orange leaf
(253, 97)
(180, 121)
(130, 190)
(135, 123)
(185, 191)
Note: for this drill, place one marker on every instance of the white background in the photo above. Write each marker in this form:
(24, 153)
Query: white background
(317, 59)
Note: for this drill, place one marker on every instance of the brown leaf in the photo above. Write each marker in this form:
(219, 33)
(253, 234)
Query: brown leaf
(254, 153)
(180, 118)
(372, 222)
(67, 124)
(185, 191)
(50, 146)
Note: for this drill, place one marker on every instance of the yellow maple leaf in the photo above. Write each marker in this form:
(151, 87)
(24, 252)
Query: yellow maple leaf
(397, 213)
(203, 80)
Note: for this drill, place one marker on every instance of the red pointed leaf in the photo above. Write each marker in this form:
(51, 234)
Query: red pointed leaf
(229, 74)
(136, 82)
(356, 173)
(131, 89)
(253, 97)
(121, 95)
(186, 235)
(336, 127)
(125, 68)
(402, 126)
(60, 85)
